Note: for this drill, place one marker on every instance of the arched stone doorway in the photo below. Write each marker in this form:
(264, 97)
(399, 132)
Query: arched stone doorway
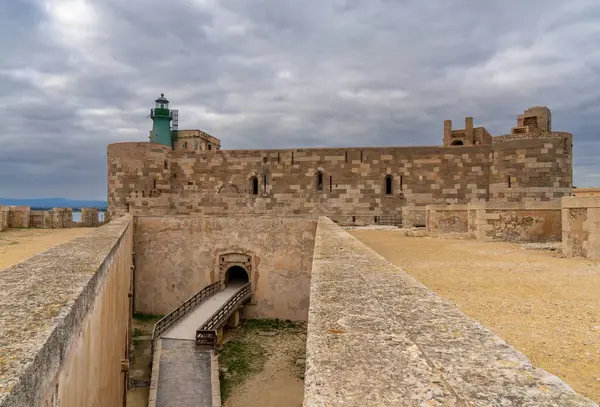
(236, 275)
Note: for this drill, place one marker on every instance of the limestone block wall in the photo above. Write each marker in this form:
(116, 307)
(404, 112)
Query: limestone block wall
(68, 339)
(138, 175)
(414, 216)
(19, 217)
(4, 215)
(448, 218)
(40, 219)
(62, 218)
(176, 256)
(528, 167)
(581, 226)
(89, 217)
(521, 222)
(378, 337)
(334, 182)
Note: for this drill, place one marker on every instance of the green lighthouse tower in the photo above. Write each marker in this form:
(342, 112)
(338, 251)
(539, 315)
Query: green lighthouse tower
(161, 116)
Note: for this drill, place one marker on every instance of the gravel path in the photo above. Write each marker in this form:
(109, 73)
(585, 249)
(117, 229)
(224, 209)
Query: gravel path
(546, 306)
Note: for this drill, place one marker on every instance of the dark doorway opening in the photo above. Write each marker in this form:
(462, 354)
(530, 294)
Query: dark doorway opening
(254, 182)
(388, 185)
(236, 275)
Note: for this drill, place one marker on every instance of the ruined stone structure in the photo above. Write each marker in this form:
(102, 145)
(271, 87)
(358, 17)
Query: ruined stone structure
(351, 185)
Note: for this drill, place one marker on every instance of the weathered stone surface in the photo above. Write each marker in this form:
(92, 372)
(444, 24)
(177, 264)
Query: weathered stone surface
(348, 184)
(64, 322)
(184, 375)
(581, 226)
(177, 256)
(377, 337)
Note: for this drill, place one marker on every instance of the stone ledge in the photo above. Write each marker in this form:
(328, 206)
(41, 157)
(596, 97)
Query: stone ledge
(44, 300)
(376, 336)
(581, 202)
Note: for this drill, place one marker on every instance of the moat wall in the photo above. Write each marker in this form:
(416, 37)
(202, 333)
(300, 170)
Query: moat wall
(70, 335)
(177, 256)
(378, 337)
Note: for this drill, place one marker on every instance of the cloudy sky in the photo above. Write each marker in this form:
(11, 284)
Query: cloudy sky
(76, 75)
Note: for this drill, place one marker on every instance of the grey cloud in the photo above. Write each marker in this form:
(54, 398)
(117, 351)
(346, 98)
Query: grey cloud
(77, 75)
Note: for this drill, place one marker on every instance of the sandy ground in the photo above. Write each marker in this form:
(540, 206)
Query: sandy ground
(546, 306)
(17, 245)
(280, 382)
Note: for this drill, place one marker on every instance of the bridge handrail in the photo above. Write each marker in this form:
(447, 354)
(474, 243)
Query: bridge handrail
(188, 305)
(207, 333)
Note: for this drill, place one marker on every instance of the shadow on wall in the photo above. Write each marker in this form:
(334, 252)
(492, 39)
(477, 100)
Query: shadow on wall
(236, 275)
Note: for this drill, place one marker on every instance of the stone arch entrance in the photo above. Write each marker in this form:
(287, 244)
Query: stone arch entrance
(236, 275)
(236, 266)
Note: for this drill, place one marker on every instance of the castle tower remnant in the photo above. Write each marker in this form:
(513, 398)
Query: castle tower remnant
(161, 116)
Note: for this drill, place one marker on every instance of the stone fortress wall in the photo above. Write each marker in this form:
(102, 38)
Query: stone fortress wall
(530, 164)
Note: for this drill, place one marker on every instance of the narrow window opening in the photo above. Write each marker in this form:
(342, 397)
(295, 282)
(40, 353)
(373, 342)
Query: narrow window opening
(319, 181)
(361, 156)
(265, 182)
(210, 147)
(254, 183)
(401, 182)
(354, 219)
(376, 219)
(330, 183)
(388, 185)
(292, 157)
(508, 180)
(346, 156)
(127, 208)
(166, 165)
(154, 185)
(278, 161)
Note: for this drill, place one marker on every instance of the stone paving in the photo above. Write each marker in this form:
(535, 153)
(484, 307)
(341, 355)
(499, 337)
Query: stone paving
(184, 375)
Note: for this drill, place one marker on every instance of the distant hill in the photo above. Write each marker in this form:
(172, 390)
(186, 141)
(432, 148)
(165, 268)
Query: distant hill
(54, 203)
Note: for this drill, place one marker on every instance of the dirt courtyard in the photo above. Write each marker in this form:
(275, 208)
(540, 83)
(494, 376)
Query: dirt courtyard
(546, 306)
(17, 245)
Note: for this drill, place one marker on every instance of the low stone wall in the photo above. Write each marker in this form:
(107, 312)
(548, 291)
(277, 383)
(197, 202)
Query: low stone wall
(519, 222)
(65, 318)
(19, 217)
(377, 337)
(447, 218)
(414, 216)
(56, 218)
(4, 215)
(89, 217)
(62, 218)
(40, 219)
(581, 226)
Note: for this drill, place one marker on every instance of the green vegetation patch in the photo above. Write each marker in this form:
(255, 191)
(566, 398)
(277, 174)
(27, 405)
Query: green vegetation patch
(147, 317)
(137, 332)
(243, 355)
(240, 358)
(268, 324)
